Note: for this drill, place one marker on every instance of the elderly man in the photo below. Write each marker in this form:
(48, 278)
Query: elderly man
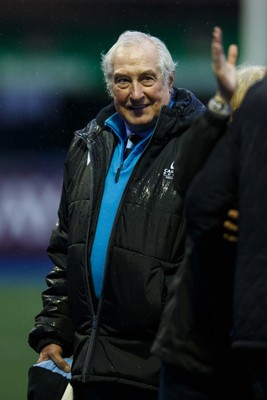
(120, 231)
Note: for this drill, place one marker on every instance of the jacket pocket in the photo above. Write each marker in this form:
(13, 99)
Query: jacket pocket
(134, 293)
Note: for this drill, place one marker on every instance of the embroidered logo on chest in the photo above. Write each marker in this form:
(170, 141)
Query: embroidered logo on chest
(168, 173)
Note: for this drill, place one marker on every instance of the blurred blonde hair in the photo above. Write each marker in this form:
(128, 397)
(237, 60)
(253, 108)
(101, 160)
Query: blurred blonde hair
(247, 75)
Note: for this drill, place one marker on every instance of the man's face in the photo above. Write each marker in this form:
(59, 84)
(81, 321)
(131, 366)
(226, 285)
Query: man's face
(138, 89)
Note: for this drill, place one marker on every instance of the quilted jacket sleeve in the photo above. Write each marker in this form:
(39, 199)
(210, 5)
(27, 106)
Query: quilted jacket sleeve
(195, 146)
(53, 324)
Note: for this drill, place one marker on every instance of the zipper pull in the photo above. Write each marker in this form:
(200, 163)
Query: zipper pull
(117, 176)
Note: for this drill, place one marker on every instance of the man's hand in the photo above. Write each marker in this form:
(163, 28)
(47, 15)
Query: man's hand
(54, 352)
(224, 69)
(231, 226)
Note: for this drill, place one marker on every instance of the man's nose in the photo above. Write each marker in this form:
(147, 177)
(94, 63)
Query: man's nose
(137, 91)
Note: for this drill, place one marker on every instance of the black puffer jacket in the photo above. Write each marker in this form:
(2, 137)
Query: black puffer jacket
(111, 338)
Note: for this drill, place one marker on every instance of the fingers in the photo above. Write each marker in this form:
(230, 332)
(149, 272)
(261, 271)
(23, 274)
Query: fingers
(230, 226)
(232, 54)
(54, 352)
(217, 34)
(217, 53)
(217, 48)
(223, 67)
(230, 238)
(44, 354)
(61, 363)
(232, 213)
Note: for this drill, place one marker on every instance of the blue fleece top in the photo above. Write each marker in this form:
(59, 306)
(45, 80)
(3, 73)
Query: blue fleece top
(116, 180)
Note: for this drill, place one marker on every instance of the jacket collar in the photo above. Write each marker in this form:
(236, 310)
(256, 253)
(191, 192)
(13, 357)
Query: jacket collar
(174, 121)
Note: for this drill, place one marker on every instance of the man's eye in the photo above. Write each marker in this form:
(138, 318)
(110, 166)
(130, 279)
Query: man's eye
(122, 81)
(148, 80)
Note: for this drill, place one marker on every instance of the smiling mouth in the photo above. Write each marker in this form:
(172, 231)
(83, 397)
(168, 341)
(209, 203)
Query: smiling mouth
(137, 108)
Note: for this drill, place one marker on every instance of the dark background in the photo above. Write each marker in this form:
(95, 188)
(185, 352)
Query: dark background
(51, 82)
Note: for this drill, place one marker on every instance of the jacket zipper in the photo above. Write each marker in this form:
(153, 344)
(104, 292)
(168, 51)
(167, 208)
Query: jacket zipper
(117, 176)
(119, 210)
(89, 352)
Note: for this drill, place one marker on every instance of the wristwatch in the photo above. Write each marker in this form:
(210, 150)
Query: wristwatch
(220, 107)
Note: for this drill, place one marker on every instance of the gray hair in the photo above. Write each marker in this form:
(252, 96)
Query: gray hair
(166, 64)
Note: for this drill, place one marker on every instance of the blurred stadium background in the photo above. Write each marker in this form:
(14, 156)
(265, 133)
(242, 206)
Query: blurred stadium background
(50, 85)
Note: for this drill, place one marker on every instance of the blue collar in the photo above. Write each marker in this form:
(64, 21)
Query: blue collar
(117, 125)
(121, 129)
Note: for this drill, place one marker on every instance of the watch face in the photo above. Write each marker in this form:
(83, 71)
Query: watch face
(219, 107)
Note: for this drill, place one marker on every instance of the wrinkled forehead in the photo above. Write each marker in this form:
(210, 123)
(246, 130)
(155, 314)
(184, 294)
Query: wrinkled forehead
(143, 56)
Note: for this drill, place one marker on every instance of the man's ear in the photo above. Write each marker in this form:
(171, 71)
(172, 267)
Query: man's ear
(171, 81)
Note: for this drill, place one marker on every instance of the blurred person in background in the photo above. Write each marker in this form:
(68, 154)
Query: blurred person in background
(120, 233)
(194, 339)
(236, 171)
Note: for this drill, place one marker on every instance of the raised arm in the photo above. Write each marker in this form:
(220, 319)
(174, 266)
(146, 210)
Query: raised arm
(199, 140)
(223, 65)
